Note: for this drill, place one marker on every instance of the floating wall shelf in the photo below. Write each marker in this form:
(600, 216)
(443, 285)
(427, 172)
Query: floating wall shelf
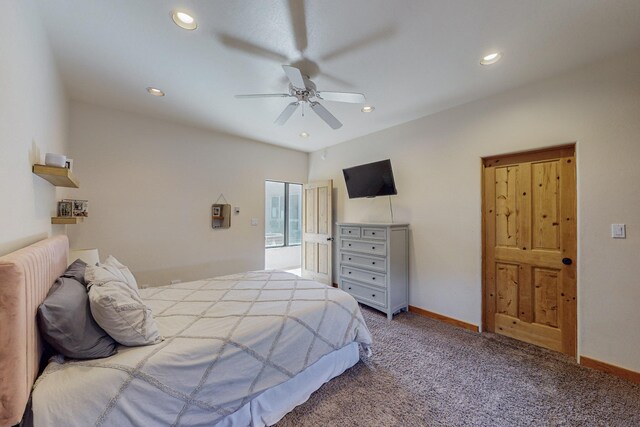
(66, 219)
(60, 177)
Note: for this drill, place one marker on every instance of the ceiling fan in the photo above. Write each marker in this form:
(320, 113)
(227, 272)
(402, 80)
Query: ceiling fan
(304, 90)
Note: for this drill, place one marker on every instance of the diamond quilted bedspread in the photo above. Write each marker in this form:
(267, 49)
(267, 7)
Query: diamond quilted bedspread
(227, 340)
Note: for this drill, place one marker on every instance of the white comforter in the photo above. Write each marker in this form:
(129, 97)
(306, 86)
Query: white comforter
(227, 340)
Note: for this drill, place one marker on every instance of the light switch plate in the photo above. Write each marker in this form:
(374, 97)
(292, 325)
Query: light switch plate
(254, 221)
(236, 210)
(618, 231)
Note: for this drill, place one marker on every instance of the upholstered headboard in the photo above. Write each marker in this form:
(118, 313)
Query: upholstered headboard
(25, 279)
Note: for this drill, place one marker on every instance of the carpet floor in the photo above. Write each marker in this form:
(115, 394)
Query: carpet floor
(427, 373)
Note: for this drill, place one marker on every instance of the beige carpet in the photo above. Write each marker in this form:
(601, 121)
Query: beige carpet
(426, 373)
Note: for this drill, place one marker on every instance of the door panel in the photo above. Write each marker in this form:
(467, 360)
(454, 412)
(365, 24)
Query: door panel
(507, 289)
(545, 205)
(529, 227)
(546, 296)
(317, 232)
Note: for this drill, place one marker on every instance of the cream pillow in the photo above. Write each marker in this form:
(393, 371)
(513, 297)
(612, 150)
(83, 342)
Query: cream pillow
(121, 271)
(118, 309)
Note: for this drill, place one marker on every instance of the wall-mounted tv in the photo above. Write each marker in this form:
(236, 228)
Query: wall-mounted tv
(370, 180)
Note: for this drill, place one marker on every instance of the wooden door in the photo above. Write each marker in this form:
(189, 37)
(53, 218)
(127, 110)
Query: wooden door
(317, 231)
(529, 214)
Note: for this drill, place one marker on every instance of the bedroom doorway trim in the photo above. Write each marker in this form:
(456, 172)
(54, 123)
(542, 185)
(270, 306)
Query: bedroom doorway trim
(317, 231)
(530, 247)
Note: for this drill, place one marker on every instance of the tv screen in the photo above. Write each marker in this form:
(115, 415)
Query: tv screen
(370, 180)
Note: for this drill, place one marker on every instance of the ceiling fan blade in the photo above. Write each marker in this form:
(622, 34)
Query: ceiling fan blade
(326, 115)
(250, 48)
(298, 24)
(355, 98)
(288, 111)
(295, 76)
(335, 79)
(264, 95)
(371, 39)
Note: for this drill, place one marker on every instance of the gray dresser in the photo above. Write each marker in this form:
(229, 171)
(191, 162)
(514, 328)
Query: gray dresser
(374, 264)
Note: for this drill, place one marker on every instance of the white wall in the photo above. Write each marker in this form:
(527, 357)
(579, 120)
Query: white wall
(33, 122)
(150, 186)
(436, 163)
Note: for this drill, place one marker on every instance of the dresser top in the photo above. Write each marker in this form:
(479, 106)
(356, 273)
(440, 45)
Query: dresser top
(374, 224)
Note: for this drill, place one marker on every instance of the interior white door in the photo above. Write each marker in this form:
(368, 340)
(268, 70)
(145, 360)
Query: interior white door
(317, 231)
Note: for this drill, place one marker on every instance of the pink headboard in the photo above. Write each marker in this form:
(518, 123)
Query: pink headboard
(25, 279)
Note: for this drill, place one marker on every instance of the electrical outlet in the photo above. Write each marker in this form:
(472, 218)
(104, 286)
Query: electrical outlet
(174, 281)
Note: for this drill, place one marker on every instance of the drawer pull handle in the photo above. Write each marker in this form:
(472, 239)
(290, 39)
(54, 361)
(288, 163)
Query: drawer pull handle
(373, 234)
(349, 287)
(373, 263)
(349, 244)
(373, 295)
(349, 272)
(373, 278)
(349, 258)
(373, 247)
(349, 231)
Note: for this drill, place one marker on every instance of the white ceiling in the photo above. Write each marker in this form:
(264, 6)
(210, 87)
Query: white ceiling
(410, 58)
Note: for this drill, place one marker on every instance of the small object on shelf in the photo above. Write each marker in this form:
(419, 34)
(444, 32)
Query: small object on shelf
(65, 208)
(66, 219)
(56, 160)
(220, 216)
(60, 177)
(79, 207)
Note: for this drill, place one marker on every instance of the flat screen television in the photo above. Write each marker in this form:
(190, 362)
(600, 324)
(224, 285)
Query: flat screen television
(370, 180)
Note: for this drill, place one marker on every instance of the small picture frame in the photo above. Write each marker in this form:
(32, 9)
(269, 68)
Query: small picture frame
(65, 208)
(78, 207)
(217, 210)
(81, 208)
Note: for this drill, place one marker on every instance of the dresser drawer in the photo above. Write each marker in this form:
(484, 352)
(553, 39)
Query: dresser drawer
(374, 248)
(369, 295)
(370, 263)
(376, 279)
(350, 231)
(374, 233)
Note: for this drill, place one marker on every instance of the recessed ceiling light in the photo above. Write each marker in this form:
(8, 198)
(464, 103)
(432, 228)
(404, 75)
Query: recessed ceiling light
(491, 58)
(368, 108)
(304, 135)
(155, 91)
(184, 20)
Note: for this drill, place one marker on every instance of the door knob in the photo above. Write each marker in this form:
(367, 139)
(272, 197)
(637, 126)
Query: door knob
(567, 261)
(329, 239)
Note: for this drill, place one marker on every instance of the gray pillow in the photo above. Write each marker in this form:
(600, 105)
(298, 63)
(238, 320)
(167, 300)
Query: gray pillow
(66, 323)
(76, 271)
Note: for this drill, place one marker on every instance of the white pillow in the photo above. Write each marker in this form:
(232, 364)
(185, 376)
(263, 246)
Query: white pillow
(121, 271)
(118, 309)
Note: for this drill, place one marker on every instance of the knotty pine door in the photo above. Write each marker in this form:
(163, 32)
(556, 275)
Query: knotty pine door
(529, 214)
(317, 231)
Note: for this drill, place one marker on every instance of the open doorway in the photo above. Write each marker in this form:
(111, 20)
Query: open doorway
(283, 226)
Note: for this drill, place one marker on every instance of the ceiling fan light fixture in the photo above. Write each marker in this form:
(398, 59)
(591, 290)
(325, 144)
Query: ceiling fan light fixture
(155, 91)
(304, 135)
(491, 58)
(184, 20)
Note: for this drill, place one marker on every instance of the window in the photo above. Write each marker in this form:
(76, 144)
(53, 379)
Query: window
(283, 214)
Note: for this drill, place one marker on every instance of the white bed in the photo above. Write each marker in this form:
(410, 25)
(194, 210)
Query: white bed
(239, 350)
